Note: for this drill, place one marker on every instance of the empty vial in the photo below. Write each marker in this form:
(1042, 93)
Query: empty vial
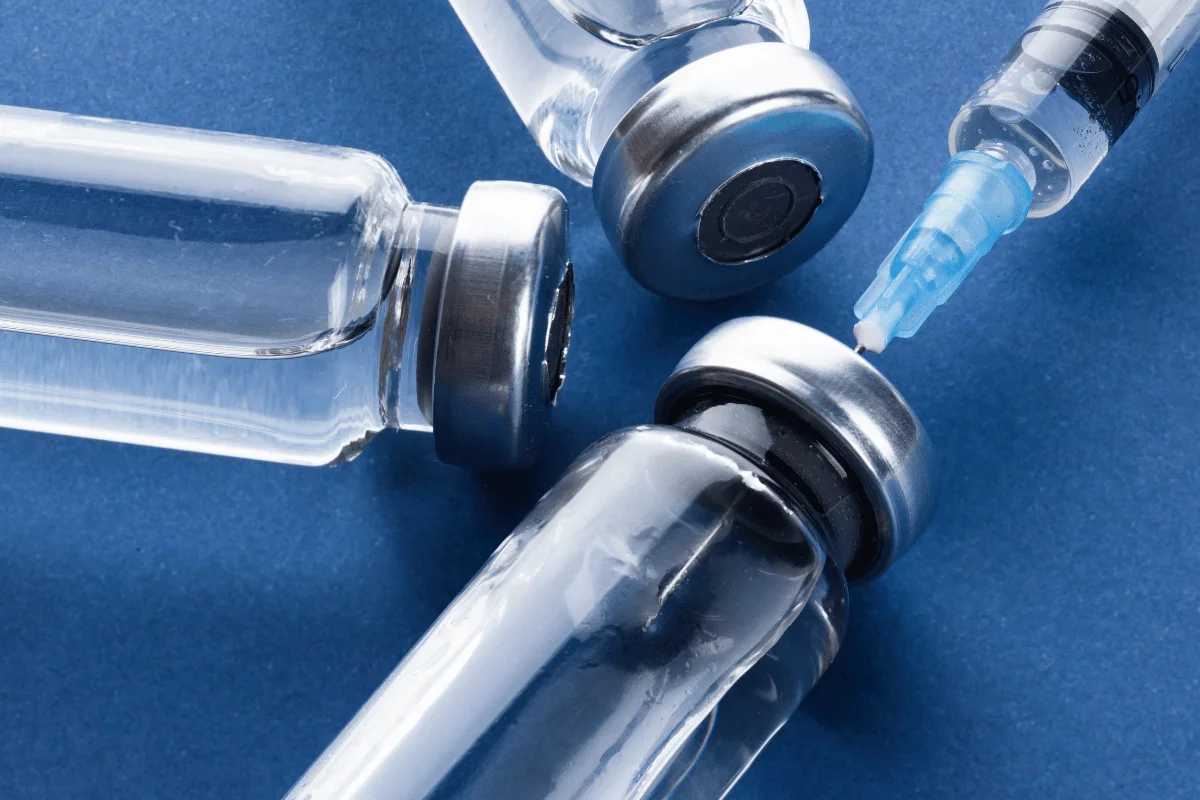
(723, 153)
(666, 606)
(269, 299)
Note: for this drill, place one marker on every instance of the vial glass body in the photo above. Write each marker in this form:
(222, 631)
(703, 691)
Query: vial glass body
(588, 658)
(574, 68)
(1072, 85)
(205, 291)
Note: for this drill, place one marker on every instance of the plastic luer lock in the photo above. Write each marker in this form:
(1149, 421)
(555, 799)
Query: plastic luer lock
(666, 606)
(723, 153)
(1025, 143)
(269, 299)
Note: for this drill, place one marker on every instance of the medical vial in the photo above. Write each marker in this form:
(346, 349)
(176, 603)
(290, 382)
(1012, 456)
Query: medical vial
(269, 299)
(722, 152)
(1072, 85)
(666, 606)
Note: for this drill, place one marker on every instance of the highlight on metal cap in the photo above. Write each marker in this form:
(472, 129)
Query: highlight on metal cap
(855, 411)
(504, 326)
(733, 171)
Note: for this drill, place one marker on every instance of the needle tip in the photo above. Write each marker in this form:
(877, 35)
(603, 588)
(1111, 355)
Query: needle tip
(859, 350)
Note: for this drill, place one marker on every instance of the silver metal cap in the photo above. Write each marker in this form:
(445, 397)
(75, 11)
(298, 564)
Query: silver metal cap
(504, 325)
(733, 171)
(857, 413)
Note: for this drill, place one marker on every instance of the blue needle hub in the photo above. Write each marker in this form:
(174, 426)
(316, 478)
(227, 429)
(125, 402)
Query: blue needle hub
(982, 196)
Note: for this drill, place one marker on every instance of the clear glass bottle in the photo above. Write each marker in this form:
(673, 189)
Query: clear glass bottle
(269, 299)
(723, 153)
(666, 606)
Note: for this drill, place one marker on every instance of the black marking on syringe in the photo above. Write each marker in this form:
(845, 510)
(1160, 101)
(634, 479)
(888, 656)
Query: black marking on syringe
(1103, 59)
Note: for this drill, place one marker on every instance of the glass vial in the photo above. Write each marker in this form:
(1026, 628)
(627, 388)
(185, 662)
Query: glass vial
(722, 152)
(666, 606)
(269, 299)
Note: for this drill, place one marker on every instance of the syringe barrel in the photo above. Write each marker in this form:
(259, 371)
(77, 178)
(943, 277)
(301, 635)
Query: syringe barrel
(1173, 26)
(1073, 84)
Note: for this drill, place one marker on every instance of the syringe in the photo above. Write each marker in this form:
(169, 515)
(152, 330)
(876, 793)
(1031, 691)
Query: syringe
(1025, 142)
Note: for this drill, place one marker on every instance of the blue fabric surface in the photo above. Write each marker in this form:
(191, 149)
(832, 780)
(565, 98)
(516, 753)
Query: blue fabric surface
(176, 625)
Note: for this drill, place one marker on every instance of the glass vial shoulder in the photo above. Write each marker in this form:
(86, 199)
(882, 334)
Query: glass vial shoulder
(267, 299)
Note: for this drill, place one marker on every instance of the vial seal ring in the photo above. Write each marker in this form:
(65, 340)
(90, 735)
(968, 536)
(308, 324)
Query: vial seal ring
(733, 171)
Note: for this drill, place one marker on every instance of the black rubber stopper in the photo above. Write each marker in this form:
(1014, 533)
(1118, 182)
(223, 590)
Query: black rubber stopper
(803, 464)
(758, 211)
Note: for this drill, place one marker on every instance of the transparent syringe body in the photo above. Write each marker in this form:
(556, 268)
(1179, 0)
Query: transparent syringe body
(1072, 85)
(1025, 143)
(592, 657)
(204, 291)
(574, 68)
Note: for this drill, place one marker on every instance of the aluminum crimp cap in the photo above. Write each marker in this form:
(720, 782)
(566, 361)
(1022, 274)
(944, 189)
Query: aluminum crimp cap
(732, 171)
(855, 411)
(504, 324)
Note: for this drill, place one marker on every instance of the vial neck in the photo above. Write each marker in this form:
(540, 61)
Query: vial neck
(824, 489)
(422, 249)
(621, 92)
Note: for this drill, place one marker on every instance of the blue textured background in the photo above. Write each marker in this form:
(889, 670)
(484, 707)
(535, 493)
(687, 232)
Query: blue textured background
(177, 625)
